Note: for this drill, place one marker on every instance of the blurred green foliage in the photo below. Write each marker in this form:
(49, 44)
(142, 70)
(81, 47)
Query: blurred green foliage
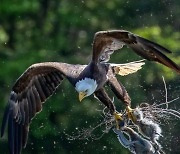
(43, 30)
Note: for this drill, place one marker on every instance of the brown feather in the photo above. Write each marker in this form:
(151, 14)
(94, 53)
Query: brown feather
(106, 41)
(33, 88)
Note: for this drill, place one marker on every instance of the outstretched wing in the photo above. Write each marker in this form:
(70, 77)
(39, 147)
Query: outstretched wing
(106, 42)
(33, 88)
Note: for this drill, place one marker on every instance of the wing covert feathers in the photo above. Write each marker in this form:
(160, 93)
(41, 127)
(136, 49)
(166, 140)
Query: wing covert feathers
(106, 42)
(41, 80)
(28, 94)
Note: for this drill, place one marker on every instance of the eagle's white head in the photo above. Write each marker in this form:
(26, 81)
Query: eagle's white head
(85, 87)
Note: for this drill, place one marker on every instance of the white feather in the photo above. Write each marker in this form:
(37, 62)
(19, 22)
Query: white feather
(87, 84)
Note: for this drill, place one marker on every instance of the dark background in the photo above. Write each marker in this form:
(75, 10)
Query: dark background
(52, 30)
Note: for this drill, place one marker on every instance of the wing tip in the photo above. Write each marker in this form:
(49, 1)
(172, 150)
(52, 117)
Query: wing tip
(4, 121)
(154, 45)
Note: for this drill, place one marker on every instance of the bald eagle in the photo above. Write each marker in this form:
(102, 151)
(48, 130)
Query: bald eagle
(41, 80)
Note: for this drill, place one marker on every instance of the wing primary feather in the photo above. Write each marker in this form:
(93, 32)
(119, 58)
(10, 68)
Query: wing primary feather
(25, 128)
(19, 138)
(5, 119)
(29, 106)
(54, 80)
(57, 76)
(152, 54)
(47, 87)
(60, 75)
(39, 89)
(153, 44)
(11, 133)
(163, 59)
(33, 103)
(16, 140)
(37, 99)
(48, 83)
(105, 41)
(22, 119)
(44, 88)
(31, 89)
(26, 111)
(18, 116)
(13, 101)
(25, 132)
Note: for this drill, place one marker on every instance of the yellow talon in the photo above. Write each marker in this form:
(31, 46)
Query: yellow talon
(130, 114)
(118, 117)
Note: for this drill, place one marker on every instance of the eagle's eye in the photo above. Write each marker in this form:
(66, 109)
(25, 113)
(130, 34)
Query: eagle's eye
(86, 91)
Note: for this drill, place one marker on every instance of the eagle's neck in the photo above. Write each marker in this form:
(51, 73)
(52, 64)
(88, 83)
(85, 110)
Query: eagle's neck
(87, 85)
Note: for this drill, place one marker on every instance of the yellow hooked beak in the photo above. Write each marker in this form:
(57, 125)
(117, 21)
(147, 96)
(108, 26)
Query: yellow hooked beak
(82, 95)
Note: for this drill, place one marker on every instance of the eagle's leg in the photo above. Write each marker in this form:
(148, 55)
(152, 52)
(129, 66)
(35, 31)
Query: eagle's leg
(121, 93)
(119, 90)
(106, 100)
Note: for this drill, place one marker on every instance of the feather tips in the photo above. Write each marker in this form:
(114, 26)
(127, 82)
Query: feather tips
(128, 68)
(106, 42)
